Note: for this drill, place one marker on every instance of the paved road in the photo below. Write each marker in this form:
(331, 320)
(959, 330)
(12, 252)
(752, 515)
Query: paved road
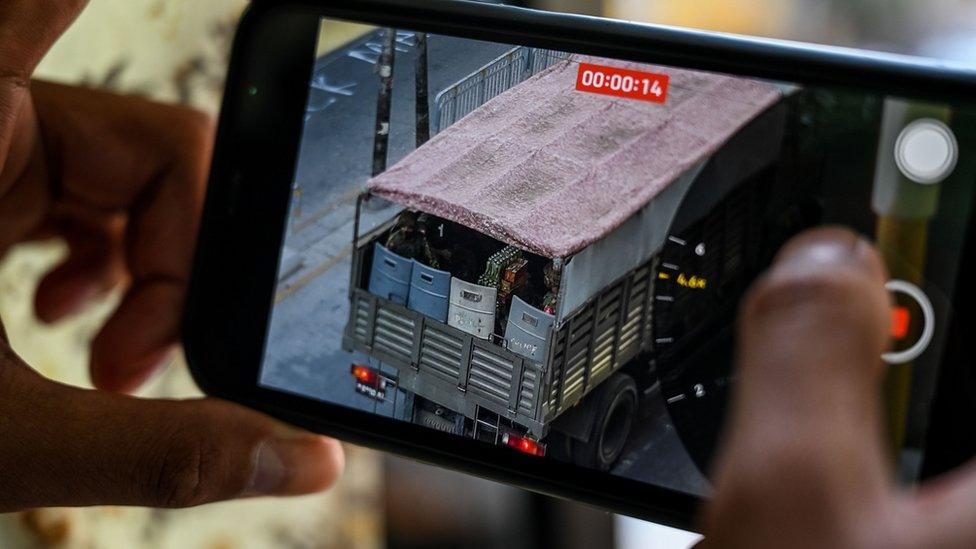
(337, 148)
(304, 337)
(654, 453)
(336, 156)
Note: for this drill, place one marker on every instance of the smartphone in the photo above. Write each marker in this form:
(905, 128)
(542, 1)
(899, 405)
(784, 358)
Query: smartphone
(514, 243)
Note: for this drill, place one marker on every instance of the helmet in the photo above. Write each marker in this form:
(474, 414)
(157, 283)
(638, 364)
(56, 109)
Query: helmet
(407, 220)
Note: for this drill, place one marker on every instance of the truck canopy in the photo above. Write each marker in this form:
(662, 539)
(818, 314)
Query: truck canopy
(552, 170)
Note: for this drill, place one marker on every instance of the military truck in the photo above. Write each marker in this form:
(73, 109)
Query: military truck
(585, 190)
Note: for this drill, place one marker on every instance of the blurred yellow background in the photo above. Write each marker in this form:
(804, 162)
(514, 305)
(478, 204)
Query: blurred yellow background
(763, 17)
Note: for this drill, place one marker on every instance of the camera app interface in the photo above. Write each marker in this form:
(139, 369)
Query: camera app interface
(545, 251)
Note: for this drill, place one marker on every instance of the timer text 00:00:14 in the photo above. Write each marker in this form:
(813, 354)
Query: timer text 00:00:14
(622, 83)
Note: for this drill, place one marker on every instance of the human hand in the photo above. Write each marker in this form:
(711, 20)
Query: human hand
(121, 180)
(805, 461)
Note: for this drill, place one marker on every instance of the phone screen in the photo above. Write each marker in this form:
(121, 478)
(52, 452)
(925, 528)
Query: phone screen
(545, 251)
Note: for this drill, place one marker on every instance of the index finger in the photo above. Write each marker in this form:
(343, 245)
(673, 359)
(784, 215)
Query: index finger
(161, 238)
(148, 162)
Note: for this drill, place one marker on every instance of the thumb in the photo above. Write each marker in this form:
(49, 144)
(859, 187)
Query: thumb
(804, 454)
(69, 447)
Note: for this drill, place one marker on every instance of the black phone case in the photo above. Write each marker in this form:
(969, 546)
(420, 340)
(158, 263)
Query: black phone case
(232, 287)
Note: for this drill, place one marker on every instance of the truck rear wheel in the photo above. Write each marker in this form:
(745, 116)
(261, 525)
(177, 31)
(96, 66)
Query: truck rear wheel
(616, 407)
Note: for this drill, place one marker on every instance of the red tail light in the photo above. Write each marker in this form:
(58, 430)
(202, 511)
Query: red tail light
(365, 374)
(523, 444)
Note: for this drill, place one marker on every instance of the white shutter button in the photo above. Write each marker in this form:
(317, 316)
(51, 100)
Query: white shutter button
(926, 151)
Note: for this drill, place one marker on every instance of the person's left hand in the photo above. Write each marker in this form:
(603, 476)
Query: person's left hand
(121, 179)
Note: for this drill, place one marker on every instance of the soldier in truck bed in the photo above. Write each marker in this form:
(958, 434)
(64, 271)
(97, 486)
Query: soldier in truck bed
(409, 239)
(551, 275)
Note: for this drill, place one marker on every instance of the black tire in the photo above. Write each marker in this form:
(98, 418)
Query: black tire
(616, 408)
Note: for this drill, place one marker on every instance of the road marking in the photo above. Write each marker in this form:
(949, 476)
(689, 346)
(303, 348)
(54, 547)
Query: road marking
(670, 266)
(344, 199)
(677, 240)
(666, 298)
(665, 340)
(370, 50)
(312, 275)
(321, 108)
(674, 399)
(369, 53)
(321, 82)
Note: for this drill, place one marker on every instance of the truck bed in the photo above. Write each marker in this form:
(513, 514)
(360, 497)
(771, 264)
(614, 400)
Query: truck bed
(445, 365)
(464, 373)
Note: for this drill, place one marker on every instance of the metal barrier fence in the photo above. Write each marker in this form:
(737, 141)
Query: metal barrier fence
(502, 74)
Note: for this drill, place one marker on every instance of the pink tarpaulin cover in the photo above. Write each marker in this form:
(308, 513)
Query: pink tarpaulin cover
(551, 170)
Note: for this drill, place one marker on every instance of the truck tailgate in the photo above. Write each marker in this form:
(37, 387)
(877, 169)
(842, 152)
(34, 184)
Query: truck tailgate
(448, 366)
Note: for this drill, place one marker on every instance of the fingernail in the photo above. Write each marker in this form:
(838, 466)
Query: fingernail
(832, 248)
(271, 474)
(868, 257)
(293, 462)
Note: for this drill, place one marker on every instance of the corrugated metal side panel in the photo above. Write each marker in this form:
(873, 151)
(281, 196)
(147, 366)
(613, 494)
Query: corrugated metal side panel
(604, 343)
(631, 331)
(606, 334)
(360, 329)
(577, 359)
(394, 333)
(558, 365)
(635, 332)
(528, 390)
(737, 215)
(648, 327)
(440, 354)
(490, 376)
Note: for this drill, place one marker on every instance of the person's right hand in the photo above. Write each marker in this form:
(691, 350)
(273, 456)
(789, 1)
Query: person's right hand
(805, 463)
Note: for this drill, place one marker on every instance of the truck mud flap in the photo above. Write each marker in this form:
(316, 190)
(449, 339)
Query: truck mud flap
(433, 421)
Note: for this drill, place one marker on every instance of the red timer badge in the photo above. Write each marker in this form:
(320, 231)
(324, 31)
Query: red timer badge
(644, 86)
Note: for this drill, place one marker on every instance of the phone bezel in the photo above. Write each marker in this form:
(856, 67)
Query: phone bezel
(232, 287)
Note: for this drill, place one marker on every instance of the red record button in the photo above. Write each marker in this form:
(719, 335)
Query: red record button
(908, 349)
(901, 320)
